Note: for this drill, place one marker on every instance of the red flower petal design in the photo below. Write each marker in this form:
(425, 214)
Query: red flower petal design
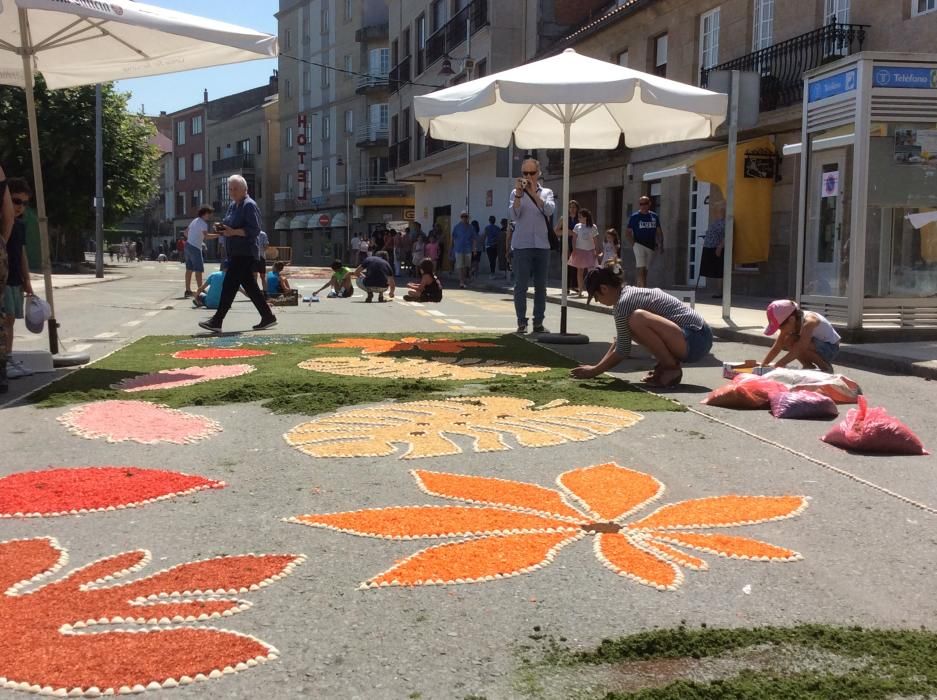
(610, 492)
(620, 554)
(45, 647)
(411, 522)
(25, 561)
(90, 489)
(482, 559)
(219, 354)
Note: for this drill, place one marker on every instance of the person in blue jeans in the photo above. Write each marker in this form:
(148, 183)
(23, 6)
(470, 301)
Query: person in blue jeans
(492, 232)
(530, 207)
(240, 228)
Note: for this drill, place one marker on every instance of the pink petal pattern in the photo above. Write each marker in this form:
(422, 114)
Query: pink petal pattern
(187, 376)
(137, 421)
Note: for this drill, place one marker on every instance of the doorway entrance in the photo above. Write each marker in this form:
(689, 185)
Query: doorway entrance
(699, 222)
(442, 220)
(827, 242)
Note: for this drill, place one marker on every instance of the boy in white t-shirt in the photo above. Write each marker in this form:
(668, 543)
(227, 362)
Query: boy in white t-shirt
(194, 239)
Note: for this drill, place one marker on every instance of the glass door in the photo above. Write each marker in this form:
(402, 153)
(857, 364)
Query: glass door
(699, 222)
(827, 244)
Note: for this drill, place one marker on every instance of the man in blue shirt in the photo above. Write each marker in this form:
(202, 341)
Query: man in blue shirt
(530, 207)
(645, 236)
(492, 233)
(240, 229)
(462, 237)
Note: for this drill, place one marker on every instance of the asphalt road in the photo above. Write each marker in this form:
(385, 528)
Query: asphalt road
(867, 538)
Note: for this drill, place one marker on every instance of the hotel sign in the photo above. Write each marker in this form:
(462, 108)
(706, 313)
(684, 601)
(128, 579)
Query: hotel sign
(301, 171)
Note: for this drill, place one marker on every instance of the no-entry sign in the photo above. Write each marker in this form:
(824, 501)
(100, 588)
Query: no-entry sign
(324, 220)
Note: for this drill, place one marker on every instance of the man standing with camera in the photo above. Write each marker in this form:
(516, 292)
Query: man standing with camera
(531, 207)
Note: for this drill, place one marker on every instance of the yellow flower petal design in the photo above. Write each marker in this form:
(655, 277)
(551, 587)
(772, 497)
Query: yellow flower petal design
(437, 368)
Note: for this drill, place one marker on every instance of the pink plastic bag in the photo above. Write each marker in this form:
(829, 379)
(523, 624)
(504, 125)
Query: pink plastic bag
(804, 405)
(873, 430)
(751, 394)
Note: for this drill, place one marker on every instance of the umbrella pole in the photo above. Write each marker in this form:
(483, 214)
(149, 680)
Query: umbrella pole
(563, 337)
(37, 178)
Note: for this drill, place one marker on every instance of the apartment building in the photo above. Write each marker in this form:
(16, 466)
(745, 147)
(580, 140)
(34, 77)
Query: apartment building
(437, 43)
(334, 66)
(781, 40)
(189, 171)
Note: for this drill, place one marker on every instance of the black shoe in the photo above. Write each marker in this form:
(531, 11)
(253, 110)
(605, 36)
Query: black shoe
(521, 328)
(266, 323)
(211, 325)
(540, 329)
(187, 295)
(380, 298)
(369, 299)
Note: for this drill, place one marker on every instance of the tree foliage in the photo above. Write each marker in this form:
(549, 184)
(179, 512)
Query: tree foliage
(66, 142)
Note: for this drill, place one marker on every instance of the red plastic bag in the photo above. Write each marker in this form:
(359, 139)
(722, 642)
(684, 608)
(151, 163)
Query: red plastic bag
(751, 394)
(803, 404)
(873, 430)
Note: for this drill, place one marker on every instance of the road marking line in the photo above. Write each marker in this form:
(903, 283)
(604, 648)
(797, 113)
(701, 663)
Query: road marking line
(456, 328)
(433, 312)
(81, 348)
(442, 321)
(133, 323)
(415, 303)
(423, 313)
(107, 335)
(151, 313)
(456, 321)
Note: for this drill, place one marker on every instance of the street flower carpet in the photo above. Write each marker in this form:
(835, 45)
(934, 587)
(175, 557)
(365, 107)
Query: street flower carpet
(484, 477)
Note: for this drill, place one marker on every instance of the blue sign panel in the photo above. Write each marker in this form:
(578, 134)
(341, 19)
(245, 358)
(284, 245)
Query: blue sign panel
(914, 77)
(832, 85)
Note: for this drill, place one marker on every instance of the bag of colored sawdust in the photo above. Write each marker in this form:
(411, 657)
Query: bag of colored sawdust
(873, 430)
(805, 405)
(752, 394)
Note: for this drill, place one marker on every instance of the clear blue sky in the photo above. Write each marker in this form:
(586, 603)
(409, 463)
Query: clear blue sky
(177, 90)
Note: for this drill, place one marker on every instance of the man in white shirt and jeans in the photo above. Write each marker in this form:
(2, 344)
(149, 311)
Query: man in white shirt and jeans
(194, 238)
(530, 207)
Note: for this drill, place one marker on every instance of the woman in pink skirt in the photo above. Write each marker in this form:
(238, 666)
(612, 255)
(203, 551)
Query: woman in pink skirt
(587, 249)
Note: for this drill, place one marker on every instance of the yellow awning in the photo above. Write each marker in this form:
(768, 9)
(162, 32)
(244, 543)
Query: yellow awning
(385, 202)
(752, 230)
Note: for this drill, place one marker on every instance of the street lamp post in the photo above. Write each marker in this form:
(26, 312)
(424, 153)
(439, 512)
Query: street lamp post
(469, 64)
(347, 164)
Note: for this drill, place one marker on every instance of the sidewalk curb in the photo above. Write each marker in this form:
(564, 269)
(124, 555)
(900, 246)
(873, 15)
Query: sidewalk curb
(852, 355)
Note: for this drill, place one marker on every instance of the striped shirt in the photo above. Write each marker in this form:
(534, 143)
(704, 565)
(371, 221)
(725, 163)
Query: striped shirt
(656, 302)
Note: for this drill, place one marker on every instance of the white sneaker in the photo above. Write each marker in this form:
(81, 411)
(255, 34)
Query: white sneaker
(15, 370)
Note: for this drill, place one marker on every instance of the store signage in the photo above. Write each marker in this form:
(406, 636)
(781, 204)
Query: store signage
(409, 214)
(324, 220)
(301, 141)
(832, 85)
(914, 77)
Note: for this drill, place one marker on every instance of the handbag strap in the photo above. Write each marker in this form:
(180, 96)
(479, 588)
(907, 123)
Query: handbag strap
(542, 212)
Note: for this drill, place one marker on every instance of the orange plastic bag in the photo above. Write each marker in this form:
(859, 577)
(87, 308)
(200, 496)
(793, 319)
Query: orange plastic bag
(873, 430)
(751, 394)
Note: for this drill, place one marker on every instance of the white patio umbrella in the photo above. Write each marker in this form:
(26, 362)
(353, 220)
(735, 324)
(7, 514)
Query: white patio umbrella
(81, 42)
(570, 101)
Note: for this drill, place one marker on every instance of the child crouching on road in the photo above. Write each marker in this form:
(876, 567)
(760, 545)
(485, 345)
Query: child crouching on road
(807, 336)
(429, 287)
(340, 282)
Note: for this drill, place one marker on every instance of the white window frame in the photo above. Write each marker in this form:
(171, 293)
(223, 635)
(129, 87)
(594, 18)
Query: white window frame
(307, 83)
(622, 58)
(836, 9)
(326, 178)
(929, 6)
(324, 15)
(197, 125)
(289, 89)
(326, 127)
(198, 163)
(661, 41)
(349, 66)
(762, 24)
(709, 38)
(379, 61)
(180, 132)
(289, 137)
(288, 39)
(349, 121)
(180, 168)
(349, 10)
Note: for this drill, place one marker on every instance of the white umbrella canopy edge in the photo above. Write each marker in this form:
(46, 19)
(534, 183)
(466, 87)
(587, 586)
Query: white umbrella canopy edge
(76, 36)
(80, 42)
(570, 101)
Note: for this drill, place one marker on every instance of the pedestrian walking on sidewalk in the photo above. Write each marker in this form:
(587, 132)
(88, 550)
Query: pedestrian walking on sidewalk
(240, 228)
(531, 207)
(492, 233)
(195, 237)
(670, 330)
(463, 243)
(645, 236)
(712, 265)
(586, 251)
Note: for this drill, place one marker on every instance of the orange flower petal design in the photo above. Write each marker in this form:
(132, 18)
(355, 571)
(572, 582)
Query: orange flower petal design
(664, 550)
(451, 346)
(610, 492)
(730, 546)
(620, 554)
(408, 522)
(721, 511)
(382, 345)
(482, 559)
(496, 492)
(368, 345)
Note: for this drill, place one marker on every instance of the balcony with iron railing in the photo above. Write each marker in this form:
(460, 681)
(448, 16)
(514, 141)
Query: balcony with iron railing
(371, 135)
(399, 74)
(373, 82)
(239, 163)
(453, 32)
(403, 152)
(782, 65)
(380, 187)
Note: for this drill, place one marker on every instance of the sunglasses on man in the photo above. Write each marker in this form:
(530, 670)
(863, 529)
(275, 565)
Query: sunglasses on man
(20, 202)
(530, 173)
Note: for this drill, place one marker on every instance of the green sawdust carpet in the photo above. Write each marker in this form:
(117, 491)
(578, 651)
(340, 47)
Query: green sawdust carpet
(284, 387)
